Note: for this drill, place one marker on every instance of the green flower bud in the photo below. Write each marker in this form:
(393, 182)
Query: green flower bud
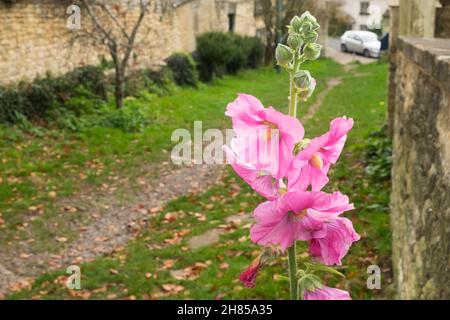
(302, 79)
(312, 51)
(283, 54)
(305, 93)
(309, 22)
(310, 37)
(296, 23)
(294, 40)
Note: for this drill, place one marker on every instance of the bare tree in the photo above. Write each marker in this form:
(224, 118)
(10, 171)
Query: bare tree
(115, 25)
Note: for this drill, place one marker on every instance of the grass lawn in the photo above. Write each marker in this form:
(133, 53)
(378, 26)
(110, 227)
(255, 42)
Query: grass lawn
(159, 264)
(34, 168)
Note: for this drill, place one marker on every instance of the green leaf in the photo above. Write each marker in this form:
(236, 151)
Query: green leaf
(320, 267)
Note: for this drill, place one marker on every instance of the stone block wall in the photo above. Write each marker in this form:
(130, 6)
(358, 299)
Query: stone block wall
(34, 38)
(420, 199)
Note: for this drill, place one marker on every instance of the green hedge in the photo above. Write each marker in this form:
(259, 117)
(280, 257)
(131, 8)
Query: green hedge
(183, 69)
(218, 53)
(35, 100)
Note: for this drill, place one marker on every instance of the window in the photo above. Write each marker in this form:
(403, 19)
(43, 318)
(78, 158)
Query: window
(363, 27)
(364, 8)
(231, 21)
(232, 8)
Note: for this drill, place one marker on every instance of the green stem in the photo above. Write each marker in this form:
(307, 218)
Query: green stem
(291, 251)
(293, 272)
(292, 96)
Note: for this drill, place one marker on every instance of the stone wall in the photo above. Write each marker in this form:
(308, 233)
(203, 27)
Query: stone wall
(420, 199)
(34, 38)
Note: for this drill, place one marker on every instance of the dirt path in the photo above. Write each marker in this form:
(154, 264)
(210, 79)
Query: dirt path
(112, 222)
(331, 83)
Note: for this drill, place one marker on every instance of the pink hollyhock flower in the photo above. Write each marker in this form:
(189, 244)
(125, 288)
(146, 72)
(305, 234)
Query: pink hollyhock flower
(260, 180)
(311, 165)
(295, 216)
(261, 127)
(327, 293)
(330, 249)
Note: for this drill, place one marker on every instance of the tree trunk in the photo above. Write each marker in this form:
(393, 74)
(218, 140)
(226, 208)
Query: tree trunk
(118, 88)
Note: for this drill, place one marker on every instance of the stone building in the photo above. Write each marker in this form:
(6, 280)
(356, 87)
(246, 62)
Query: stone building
(35, 39)
(366, 14)
(419, 122)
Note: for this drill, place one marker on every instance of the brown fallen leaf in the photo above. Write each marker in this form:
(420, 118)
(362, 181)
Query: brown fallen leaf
(155, 210)
(113, 271)
(224, 266)
(61, 239)
(172, 288)
(167, 264)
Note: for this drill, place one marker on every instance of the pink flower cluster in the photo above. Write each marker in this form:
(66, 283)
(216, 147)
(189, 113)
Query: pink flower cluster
(262, 153)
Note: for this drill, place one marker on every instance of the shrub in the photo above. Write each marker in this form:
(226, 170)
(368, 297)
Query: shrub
(35, 100)
(214, 51)
(128, 118)
(378, 155)
(254, 52)
(183, 69)
(218, 53)
(159, 82)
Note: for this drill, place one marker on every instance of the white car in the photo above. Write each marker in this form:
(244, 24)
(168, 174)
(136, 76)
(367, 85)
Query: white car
(364, 42)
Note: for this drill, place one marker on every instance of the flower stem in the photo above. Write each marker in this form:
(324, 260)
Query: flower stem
(292, 96)
(293, 272)
(291, 251)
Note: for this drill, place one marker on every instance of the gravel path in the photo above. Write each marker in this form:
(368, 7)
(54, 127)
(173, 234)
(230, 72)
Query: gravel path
(113, 222)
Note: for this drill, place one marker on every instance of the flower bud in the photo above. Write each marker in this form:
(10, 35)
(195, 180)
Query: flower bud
(283, 54)
(296, 23)
(310, 37)
(312, 51)
(294, 40)
(302, 79)
(308, 21)
(305, 93)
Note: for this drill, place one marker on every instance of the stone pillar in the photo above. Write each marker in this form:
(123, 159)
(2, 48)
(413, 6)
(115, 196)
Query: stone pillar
(417, 18)
(420, 197)
(393, 35)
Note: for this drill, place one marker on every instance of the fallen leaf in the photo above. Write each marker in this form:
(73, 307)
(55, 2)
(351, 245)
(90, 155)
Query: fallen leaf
(172, 288)
(224, 266)
(113, 271)
(61, 239)
(167, 264)
(170, 217)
